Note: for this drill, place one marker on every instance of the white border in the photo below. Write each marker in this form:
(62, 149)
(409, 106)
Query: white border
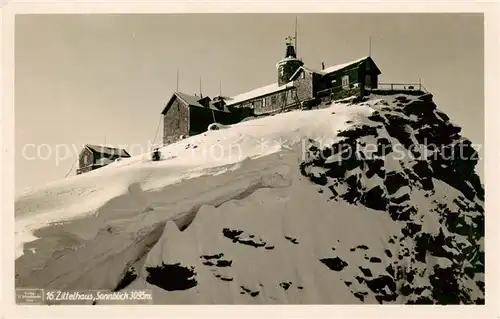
(492, 105)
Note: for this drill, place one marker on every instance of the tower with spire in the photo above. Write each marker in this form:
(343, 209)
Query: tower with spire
(287, 66)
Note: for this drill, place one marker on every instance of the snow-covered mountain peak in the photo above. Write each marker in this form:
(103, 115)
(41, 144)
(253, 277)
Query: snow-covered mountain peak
(371, 201)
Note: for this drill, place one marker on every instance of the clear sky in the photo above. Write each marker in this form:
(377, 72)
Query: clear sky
(92, 78)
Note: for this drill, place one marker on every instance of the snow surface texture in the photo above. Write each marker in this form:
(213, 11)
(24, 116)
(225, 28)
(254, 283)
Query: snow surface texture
(294, 217)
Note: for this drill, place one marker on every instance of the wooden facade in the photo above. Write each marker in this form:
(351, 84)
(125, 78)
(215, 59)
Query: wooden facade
(297, 87)
(270, 103)
(187, 115)
(362, 74)
(339, 80)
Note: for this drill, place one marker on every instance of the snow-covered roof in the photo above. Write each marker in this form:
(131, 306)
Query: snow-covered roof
(341, 66)
(192, 101)
(262, 91)
(331, 68)
(107, 150)
(222, 107)
(189, 99)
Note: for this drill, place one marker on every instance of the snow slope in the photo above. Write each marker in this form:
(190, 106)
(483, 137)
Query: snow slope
(274, 210)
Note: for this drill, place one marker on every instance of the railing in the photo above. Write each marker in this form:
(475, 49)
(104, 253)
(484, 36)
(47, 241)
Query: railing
(400, 87)
(409, 87)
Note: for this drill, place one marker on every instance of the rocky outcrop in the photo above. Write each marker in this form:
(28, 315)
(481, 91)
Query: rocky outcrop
(407, 150)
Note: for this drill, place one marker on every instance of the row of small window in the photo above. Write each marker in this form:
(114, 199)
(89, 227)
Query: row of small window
(263, 101)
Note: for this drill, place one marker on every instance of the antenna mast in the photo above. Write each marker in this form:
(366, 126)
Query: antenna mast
(200, 88)
(177, 87)
(370, 47)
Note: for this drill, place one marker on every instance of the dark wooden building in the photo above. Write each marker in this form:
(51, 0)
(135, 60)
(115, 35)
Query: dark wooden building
(95, 156)
(187, 115)
(298, 84)
(341, 80)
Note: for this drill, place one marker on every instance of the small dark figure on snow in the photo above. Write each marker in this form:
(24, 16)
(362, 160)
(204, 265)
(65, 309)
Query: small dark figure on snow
(156, 155)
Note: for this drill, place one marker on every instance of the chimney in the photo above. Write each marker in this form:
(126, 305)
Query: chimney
(322, 65)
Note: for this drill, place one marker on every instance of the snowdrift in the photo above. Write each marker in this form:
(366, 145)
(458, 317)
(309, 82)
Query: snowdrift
(373, 201)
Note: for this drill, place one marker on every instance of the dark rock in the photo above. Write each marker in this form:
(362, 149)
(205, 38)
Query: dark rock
(394, 181)
(367, 272)
(378, 284)
(390, 270)
(358, 132)
(411, 229)
(172, 277)
(128, 278)
(208, 257)
(224, 263)
(421, 301)
(285, 285)
(445, 287)
(375, 199)
(360, 295)
(249, 292)
(401, 199)
(231, 234)
(335, 264)
(252, 243)
(406, 290)
(384, 147)
(376, 118)
(480, 284)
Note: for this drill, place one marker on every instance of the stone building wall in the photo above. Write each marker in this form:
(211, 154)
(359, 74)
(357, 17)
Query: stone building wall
(85, 158)
(175, 122)
(304, 86)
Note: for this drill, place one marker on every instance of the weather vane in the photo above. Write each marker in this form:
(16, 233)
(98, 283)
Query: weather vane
(289, 40)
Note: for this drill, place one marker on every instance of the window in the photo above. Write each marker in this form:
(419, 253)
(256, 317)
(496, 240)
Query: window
(273, 99)
(368, 81)
(345, 81)
(281, 70)
(264, 102)
(303, 75)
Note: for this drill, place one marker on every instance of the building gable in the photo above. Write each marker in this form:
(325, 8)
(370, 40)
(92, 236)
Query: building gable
(107, 151)
(301, 70)
(174, 97)
(351, 64)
